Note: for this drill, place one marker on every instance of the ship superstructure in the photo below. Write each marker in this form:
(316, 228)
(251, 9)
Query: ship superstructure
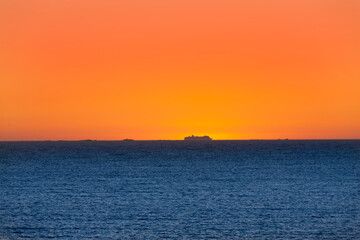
(197, 138)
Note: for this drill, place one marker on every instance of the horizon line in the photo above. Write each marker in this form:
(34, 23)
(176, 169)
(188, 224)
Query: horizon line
(143, 140)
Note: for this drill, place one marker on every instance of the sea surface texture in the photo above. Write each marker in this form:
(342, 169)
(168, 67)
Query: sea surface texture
(180, 190)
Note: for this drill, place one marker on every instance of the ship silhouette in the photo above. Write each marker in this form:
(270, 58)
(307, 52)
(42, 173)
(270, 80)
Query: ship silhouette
(197, 138)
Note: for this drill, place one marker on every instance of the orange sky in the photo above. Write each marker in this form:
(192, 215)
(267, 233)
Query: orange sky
(164, 69)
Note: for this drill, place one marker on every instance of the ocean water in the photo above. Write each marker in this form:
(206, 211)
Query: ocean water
(179, 190)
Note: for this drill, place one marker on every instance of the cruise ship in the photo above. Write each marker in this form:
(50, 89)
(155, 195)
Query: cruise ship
(197, 138)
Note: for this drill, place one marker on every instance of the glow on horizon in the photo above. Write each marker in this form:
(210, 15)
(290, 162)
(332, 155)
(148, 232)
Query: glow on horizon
(154, 69)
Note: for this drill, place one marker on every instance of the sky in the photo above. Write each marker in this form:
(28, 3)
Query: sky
(161, 69)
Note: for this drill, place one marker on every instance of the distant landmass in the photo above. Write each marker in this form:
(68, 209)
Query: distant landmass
(128, 140)
(197, 138)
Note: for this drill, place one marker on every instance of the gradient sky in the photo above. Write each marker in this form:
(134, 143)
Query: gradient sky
(164, 69)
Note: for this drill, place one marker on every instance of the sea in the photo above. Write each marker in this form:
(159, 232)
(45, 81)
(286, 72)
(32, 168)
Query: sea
(251, 189)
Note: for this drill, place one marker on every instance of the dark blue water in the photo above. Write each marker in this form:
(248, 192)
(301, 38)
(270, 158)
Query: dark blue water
(180, 190)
